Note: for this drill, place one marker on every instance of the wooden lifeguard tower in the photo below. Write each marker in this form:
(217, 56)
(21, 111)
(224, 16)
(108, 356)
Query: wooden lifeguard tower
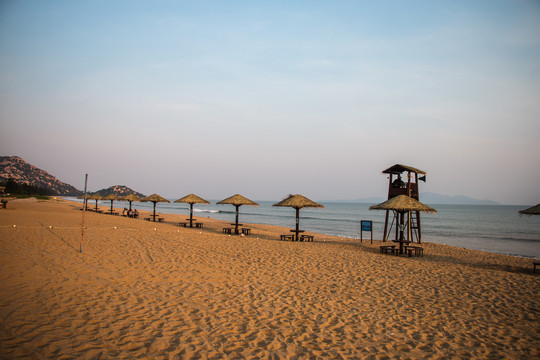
(409, 187)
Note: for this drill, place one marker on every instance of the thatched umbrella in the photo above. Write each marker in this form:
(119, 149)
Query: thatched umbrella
(131, 198)
(191, 199)
(85, 201)
(112, 198)
(96, 197)
(155, 198)
(298, 202)
(535, 210)
(237, 200)
(402, 204)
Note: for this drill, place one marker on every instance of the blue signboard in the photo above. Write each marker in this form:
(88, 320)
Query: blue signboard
(366, 225)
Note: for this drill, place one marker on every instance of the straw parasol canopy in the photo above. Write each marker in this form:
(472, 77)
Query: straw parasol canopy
(535, 210)
(191, 199)
(112, 198)
(155, 198)
(237, 200)
(96, 197)
(298, 202)
(131, 198)
(403, 203)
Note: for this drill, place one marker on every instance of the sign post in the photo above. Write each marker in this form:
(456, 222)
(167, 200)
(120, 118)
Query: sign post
(366, 225)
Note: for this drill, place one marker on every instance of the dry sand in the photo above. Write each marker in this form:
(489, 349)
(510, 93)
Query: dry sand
(155, 290)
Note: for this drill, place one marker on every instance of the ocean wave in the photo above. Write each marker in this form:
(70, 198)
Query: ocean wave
(206, 211)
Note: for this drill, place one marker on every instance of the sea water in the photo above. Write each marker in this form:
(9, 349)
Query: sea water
(492, 228)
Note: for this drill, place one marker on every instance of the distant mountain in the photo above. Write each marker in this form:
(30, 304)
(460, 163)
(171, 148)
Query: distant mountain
(433, 198)
(21, 172)
(428, 198)
(368, 200)
(120, 190)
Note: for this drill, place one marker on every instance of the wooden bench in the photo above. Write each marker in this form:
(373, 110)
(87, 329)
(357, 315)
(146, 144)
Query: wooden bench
(535, 264)
(198, 224)
(147, 219)
(389, 249)
(287, 237)
(246, 231)
(417, 250)
(227, 230)
(161, 219)
(184, 224)
(306, 238)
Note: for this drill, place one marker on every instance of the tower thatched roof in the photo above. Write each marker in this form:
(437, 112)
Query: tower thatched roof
(398, 169)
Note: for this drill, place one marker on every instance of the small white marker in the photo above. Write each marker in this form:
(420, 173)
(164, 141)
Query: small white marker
(14, 225)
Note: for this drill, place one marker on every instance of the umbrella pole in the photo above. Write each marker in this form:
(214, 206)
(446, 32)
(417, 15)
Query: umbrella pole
(154, 211)
(111, 206)
(130, 205)
(401, 226)
(191, 215)
(236, 223)
(96, 205)
(297, 223)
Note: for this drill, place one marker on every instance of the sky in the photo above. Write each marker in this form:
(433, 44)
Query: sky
(269, 98)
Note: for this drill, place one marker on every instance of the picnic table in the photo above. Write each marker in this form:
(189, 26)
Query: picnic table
(402, 243)
(236, 226)
(297, 233)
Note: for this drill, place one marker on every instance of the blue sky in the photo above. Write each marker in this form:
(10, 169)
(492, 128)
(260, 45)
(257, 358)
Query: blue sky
(271, 98)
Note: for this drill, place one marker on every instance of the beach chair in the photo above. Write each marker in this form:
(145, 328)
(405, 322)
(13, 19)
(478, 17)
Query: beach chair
(536, 263)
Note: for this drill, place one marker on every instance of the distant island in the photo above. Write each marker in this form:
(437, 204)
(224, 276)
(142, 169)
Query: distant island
(429, 198)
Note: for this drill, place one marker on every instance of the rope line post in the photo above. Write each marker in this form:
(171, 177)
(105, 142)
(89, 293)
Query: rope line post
(83, 211)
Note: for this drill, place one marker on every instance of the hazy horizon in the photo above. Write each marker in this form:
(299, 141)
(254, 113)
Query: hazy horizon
(266, 99)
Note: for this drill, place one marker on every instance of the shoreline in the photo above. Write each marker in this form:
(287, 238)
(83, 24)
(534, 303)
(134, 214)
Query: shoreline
(443, 241)
(156, 290)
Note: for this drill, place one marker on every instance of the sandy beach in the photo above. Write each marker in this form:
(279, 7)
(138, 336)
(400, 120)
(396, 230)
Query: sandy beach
(156, 290)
